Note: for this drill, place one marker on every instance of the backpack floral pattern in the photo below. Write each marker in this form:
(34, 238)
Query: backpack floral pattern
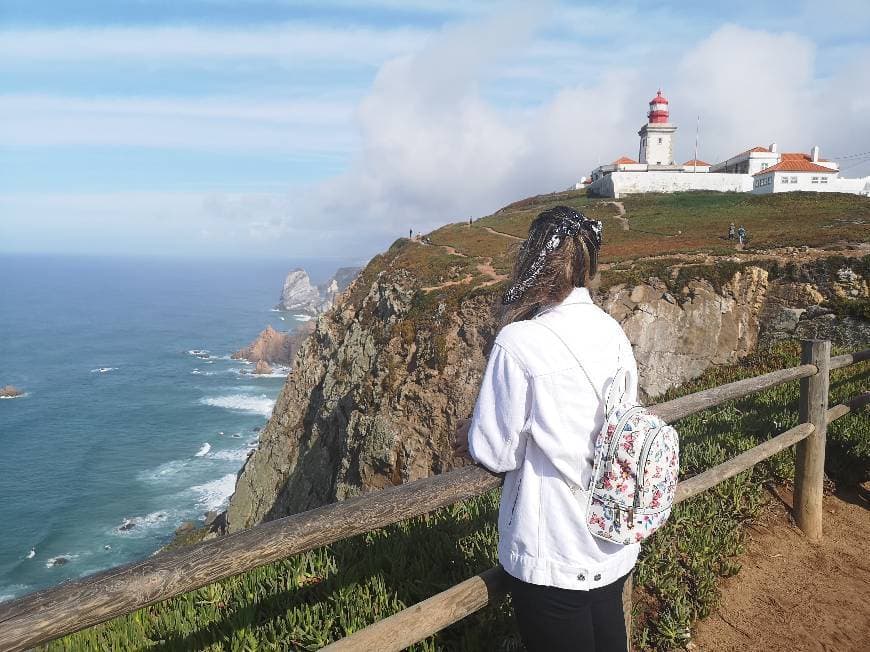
(634, 478)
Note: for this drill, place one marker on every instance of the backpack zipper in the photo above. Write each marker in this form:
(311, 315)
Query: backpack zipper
(641, 465)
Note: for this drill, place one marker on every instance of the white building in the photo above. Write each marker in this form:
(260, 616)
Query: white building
(759, 170)
(809, 173)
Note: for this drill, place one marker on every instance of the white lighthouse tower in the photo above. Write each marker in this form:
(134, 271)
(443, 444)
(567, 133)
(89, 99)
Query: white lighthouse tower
(656, 137)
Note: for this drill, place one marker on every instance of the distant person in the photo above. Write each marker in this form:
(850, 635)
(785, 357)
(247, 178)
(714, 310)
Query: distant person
(741, 235)
(469, 221)
(410, 234)
(536, 420)
(731, 231)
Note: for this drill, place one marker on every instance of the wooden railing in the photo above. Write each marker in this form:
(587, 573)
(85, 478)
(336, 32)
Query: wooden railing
(51, 613)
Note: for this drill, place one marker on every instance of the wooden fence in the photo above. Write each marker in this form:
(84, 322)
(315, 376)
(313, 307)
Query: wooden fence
(48, 614)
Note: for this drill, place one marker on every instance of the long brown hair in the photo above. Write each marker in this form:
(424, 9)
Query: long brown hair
(574, 263)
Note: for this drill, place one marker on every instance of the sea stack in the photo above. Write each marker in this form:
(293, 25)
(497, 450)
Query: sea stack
(274, 347)
(9, 391)
(299, 296)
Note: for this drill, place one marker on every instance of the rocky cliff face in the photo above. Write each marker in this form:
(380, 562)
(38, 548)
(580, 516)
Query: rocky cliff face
(676, 340)
(378, 388)
(371, 402)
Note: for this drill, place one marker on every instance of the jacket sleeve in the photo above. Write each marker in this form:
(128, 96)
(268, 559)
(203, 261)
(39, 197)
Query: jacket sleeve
(497, 435)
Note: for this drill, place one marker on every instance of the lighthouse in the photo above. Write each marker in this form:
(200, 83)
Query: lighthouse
(657, 135)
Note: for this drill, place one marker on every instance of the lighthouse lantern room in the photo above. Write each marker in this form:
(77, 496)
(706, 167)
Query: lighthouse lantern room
(656, 137)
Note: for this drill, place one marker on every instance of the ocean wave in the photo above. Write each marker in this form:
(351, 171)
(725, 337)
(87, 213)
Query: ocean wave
(231, 455)
(203, 451)
(135, 525)
(302, 317)
(214, 495)
(278, 371)
(12, 591)
(261, 404)
(56, 561)
(199, 353)
(22, 395)
(103, 370)
(166, 471)
(197, 372)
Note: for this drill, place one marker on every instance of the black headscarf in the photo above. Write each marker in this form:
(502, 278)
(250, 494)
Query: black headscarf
(546, 234)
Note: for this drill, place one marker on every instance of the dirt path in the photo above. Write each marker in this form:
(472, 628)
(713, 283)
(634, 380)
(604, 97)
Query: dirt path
(621, 217)
(484, 267)
(790, 595)
(502, 233)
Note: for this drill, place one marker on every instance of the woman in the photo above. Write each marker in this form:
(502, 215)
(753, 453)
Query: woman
(536, 418)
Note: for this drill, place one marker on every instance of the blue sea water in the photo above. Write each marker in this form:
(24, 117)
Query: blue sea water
(133, 414)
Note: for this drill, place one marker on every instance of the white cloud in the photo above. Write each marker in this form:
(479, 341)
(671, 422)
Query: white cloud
(209, 123)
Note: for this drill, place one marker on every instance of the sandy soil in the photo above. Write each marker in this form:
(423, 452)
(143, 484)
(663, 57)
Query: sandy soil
(791, 595)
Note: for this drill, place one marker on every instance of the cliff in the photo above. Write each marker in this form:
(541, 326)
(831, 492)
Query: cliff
(378, 388)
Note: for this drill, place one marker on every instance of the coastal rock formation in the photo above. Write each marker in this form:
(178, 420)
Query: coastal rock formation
(274, 347)
(10, 391)
(676, 341)
(262, 368)
(299, 296)
(378, 388)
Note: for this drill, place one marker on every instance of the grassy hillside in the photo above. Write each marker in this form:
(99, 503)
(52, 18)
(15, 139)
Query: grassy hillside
(465, 258)
(306, 601)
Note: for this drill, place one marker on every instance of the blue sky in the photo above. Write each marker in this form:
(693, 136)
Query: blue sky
(270, 128)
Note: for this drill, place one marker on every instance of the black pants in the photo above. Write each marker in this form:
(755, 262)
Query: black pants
(562, 620)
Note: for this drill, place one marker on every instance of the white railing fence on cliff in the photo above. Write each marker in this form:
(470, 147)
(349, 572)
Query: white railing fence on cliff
(45, 615)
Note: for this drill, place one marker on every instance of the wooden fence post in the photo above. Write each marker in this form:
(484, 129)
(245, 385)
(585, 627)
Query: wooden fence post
(809, 472)
(626, 606)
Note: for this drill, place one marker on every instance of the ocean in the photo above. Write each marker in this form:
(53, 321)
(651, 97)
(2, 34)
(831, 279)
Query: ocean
(134, 417)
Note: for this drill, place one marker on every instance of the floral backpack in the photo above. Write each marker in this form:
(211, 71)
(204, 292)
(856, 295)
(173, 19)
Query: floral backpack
(634, 477)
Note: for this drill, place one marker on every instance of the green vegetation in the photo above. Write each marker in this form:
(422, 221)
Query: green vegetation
(311, 599)
(664, 229)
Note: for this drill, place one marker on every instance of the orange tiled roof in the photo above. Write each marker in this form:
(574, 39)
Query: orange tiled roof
(757, 149)
(796, 164)
(801, 155)
(624, 160)
(696, 162)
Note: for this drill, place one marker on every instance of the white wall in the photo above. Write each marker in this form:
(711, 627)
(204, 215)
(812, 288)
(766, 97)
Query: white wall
(805, 184)
(859, 186)
(626, 183)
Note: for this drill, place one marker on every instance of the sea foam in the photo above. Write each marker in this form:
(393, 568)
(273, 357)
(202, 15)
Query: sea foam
(261, 404)
(215, 494)
(204, 449)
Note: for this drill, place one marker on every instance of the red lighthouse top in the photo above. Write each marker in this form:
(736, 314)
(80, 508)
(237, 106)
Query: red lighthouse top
(658, 109)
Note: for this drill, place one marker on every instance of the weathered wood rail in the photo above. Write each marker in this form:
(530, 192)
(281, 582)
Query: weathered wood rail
(48, 614)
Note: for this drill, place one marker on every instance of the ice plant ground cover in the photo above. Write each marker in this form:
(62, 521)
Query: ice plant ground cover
(320, 596)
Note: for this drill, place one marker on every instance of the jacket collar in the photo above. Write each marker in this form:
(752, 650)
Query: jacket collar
(577, 295)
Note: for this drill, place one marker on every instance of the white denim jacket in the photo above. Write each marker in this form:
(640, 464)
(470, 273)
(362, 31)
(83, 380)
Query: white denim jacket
(536, 419)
